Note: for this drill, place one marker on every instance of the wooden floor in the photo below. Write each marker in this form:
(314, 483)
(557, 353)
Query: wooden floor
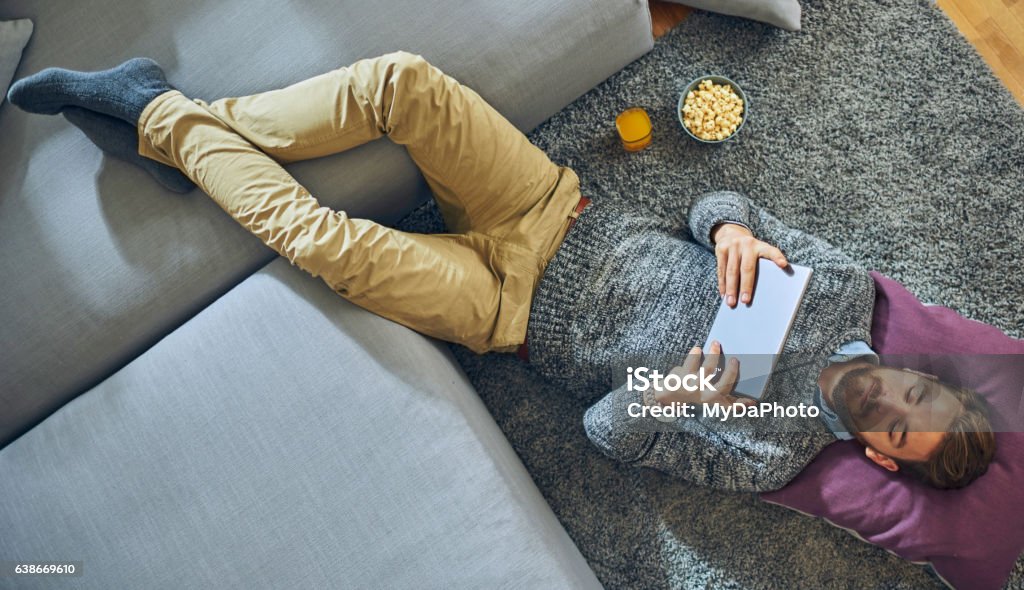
(664, 16)
(994, 27)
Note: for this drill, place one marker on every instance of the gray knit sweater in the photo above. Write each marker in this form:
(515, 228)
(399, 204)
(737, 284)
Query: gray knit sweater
(630, 289)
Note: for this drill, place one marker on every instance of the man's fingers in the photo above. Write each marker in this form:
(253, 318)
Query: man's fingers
(732, 275)
(748, 273)
(712, 358)
(720, 255)
(729, 378)
(774, 254)
(692, 361)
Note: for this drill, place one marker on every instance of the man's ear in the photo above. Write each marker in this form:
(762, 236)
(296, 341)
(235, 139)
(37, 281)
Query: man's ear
(928, 375)
(883, 461)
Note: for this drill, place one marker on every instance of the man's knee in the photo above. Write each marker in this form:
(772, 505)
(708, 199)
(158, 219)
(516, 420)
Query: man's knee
(402, 60)
(410, 85)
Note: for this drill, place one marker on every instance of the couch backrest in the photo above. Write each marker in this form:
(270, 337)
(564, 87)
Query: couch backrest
(98, 262)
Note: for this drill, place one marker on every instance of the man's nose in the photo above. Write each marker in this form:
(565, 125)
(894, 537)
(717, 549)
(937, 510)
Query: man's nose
(889, 402)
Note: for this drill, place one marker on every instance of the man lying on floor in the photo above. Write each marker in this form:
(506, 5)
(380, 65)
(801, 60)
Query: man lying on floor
(527, 259)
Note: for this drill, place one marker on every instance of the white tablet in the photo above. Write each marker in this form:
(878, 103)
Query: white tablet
(756, 332)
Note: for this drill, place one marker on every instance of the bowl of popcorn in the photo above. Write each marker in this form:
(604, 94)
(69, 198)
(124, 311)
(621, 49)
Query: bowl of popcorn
(712, 109)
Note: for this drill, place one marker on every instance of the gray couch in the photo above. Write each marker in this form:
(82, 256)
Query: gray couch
(179, 407)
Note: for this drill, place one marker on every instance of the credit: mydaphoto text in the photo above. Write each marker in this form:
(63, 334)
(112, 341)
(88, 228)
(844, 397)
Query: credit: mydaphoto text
(722, 412)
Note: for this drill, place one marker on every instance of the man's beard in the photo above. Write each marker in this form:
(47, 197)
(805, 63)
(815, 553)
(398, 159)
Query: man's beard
(846, 392)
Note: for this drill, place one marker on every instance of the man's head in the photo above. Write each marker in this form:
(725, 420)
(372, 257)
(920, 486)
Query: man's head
(913, 422)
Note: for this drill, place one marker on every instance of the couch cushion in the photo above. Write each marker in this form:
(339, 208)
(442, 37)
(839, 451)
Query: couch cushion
(99, 262)
(14, 35)
(282, 438)
(781, 13)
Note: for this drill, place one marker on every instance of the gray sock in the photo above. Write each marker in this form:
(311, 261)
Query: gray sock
(121, 140)
(122, 91)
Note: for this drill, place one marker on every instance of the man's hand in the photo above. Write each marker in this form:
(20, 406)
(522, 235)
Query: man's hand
(737, 251)
(723, 388)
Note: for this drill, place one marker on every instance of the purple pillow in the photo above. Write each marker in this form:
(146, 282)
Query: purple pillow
(972, 536)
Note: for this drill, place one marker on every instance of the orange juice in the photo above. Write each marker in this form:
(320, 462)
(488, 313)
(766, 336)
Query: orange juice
(634, 129)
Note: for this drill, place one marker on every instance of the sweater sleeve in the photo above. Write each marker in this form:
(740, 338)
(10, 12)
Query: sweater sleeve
(711, 209)
(697, 449)
(799, 247)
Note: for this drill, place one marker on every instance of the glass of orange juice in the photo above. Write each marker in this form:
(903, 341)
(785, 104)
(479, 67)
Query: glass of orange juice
(634, 128)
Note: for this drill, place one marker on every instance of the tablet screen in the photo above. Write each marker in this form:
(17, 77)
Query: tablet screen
(754, 333)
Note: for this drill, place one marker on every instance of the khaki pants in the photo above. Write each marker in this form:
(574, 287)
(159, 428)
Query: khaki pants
(505, 203)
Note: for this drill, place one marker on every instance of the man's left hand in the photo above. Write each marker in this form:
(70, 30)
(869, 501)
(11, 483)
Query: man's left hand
(737, 251)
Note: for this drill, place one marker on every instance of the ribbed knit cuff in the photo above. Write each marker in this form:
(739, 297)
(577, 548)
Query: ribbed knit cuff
(609, 426)
(712, 209)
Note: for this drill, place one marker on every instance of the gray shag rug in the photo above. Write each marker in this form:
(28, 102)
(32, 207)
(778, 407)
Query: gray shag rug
(878, 128)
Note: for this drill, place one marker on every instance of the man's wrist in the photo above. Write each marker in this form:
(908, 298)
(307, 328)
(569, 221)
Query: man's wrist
(721, 229)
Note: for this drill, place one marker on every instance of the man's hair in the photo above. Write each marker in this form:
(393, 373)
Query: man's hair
(965, 452)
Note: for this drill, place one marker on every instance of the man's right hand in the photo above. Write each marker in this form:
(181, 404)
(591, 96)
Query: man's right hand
(737, 251)
(723, 388)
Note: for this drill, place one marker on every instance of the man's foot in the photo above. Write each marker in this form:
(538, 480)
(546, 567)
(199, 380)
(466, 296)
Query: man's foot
(122, 92)
(121, 140)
